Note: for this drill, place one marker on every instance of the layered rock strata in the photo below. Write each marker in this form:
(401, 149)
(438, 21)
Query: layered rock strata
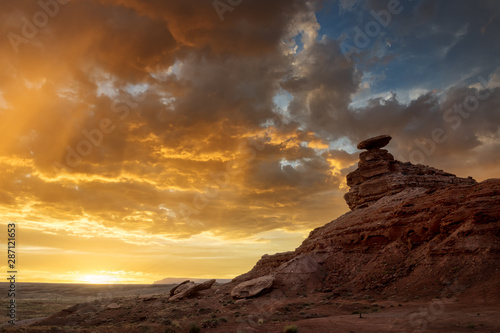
(379, 175)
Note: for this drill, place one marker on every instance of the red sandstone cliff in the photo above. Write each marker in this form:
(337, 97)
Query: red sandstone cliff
(414, 231)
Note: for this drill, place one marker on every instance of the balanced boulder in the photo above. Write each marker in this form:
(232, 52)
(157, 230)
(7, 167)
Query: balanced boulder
(375, 143)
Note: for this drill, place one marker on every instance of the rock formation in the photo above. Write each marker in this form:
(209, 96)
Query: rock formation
(187, 288)
(253, 287)
(413, 230)
(375, 143)
(379, 175)
(172, 291)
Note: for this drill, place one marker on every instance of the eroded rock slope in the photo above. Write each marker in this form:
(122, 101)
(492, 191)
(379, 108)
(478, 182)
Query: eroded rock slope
(414, 231)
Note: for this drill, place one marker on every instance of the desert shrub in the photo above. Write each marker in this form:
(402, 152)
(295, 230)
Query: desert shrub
(145, 329)
(291, 329)
(210, 323)
(194, 329)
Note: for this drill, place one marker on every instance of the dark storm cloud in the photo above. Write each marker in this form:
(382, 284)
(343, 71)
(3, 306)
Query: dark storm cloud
(322, 88)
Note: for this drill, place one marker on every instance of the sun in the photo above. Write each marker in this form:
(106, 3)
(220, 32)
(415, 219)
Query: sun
(97, 279)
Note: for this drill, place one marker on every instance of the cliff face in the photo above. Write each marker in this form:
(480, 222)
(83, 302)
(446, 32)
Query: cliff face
(416, 242)
(414, 231)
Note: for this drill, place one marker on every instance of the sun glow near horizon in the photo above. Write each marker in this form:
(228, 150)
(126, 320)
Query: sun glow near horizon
(97, 279)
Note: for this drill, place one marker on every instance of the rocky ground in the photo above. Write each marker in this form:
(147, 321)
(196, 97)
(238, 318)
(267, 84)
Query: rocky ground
(420, 251)
(318, 312)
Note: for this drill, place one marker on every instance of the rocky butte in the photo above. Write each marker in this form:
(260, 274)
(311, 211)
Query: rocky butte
(379, 175)
(413, 231)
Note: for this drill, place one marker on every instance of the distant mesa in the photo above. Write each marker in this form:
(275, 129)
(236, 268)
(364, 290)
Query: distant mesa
(171, 280)
(375, 143)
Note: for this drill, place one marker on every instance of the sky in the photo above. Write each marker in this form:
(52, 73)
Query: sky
(141, 140)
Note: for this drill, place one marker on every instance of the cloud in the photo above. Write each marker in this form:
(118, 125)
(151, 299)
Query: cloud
(179, 92)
